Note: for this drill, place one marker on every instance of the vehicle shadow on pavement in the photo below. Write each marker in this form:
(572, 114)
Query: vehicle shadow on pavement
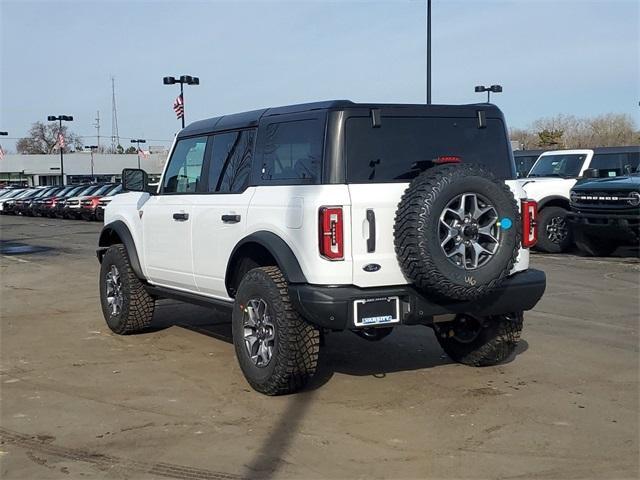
(407, 348)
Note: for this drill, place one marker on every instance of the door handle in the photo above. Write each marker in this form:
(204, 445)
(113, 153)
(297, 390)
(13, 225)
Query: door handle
(180, 217)
(371, 241)
(231, 218)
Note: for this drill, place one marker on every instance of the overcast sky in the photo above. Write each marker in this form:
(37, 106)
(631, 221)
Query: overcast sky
(573, 57)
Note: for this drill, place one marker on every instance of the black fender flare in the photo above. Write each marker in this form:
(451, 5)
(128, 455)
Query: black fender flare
(551, 198)
(279, 250)
(120, 230)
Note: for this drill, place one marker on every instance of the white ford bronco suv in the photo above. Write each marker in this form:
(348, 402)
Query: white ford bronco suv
(330, 216)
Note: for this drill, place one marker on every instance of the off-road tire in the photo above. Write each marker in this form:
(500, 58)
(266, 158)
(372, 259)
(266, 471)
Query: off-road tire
(545, 244)
(495, 343)
(416, 230)
(297, 342)
(138, 305)
(593, 246)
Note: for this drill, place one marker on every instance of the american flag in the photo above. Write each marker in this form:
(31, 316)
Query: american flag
(178, 106)
(1, 153)
(60, 140)
(143, 153)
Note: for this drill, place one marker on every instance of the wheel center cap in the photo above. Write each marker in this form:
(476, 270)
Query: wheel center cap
(470, 231)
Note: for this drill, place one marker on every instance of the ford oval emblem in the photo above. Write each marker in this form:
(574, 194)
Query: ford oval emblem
(371, 267)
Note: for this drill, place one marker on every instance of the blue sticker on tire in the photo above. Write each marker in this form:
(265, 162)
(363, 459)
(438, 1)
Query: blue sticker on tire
(505, 223)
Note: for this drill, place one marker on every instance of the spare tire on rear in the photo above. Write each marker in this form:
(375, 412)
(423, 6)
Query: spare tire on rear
(456, 232)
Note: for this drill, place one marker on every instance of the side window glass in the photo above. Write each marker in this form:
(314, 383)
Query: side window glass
(292, 151)
(610, 164)
(231, 161)
(185, 166)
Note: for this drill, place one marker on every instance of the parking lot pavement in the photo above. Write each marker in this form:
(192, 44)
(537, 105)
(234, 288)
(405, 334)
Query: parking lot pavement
(78, 401)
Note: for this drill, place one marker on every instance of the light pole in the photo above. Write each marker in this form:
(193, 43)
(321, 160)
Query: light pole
(61, 118)
(492, 88)
(179, 105)
(138, 141)
(93, 148)
(428, 52)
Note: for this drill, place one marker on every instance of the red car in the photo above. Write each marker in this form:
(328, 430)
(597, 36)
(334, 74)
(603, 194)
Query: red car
(89, 206)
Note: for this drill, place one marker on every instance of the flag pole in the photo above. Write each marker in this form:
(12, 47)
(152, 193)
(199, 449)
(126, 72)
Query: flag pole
(182, 97)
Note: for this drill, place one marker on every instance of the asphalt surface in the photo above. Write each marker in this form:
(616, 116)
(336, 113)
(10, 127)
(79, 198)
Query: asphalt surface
(80, 402)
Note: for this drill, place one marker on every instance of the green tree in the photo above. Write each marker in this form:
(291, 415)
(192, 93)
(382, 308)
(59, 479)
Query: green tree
(550, 138)
(131, 149)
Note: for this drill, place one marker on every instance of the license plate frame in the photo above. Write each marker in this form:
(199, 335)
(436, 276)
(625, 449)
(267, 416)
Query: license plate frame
(364, 311)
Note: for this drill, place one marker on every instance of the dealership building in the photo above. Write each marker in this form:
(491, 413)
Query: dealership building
(35, 170)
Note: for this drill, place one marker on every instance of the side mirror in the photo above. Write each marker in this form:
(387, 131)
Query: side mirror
(591, 173)
(134, 180)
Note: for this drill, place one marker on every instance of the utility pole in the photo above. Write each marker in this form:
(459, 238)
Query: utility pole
(97, 125)
(115, 138)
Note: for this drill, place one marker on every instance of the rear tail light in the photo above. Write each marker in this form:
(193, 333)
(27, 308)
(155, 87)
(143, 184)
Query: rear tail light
(529, 214)
(447, 159)
(331, 233)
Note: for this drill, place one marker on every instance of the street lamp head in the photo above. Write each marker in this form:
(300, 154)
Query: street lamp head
(168, 80)
(4, 133)
(66, 118)
(480, 88)
(138, 140)
(496, 88)
(186, 79)
(52, 118)
(195, 81)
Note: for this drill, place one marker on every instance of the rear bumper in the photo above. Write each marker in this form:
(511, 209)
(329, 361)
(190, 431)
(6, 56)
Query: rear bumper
(332, 307)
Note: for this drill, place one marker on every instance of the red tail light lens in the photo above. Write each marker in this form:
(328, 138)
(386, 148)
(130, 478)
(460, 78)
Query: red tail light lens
(447, 159)
(529, 214)
(331, 233)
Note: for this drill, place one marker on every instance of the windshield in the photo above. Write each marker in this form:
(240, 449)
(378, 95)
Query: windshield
(115, 191)
(102, 190)
(87, 191)
(395, 150)
(12, 193)
(558, 165)
(73, 191)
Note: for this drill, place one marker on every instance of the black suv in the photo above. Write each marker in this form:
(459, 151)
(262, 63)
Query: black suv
(606, 214)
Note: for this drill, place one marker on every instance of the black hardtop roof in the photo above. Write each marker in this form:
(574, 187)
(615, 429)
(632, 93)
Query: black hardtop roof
(252, 118)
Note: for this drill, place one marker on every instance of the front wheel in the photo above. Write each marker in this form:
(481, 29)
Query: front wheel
(276, 348)
(126, 305)
(555, 235)
(480, 342)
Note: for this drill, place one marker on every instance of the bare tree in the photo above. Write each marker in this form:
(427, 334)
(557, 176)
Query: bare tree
(43, 139)
(569, 131)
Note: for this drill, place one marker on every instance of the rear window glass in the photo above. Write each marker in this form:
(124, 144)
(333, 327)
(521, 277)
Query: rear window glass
(389, 153)
(293, 151)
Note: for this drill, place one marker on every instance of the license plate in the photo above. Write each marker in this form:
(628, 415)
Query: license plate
(376, 311)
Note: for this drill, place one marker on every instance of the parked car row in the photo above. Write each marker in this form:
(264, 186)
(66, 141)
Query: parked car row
(585, 196)
(86, 201)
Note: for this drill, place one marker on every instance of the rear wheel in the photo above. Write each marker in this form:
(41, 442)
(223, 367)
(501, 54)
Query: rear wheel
(276, 348)
(478, 341)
